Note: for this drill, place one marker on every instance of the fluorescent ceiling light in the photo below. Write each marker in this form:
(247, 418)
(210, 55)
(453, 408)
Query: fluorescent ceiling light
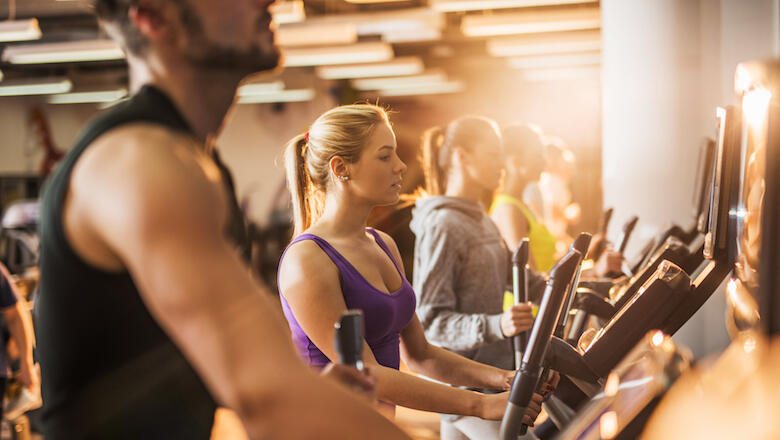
(399, 21)
(379, 23)
(397, 67)
(102, 96)
(288, 12)
(563, 60)
(292, 95)
(531, 22)
(547, 43)
(561, 74)
(424, 89)
(306, 34)
(353, 53)
(397, 82)
(19, 30)
(408, 36)
(259, 88)
(478, 5)
(64, 52)
(35, 87)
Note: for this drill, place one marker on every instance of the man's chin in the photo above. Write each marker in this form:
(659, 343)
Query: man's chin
(242, 64)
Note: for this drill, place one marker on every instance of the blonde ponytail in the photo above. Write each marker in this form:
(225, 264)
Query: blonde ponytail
(297, 181)
(431, 155)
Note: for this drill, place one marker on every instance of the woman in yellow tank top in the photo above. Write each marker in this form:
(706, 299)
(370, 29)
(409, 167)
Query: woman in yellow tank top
(524, 152)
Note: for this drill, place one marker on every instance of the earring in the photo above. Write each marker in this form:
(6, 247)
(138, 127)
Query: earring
(343, 178)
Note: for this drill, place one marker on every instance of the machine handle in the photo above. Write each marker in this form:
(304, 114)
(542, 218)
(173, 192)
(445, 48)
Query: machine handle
(525, 382)
(628, 228)
(580, 244)
(520, 293)
(601, 244)
(606, 216)
(349, 338)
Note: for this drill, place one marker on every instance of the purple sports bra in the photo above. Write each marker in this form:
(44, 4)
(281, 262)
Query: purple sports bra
(386, 314)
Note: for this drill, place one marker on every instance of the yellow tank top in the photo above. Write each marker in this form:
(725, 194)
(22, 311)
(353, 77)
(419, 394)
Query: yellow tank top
(541, 240)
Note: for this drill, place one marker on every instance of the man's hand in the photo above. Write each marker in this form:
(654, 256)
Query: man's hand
(361, 382)
(516, 319)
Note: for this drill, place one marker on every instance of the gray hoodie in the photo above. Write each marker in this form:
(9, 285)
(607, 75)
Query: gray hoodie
(461, 270)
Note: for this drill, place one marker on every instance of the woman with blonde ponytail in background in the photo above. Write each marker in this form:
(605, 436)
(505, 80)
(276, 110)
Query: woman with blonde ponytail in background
(345, 165)
(461, 263)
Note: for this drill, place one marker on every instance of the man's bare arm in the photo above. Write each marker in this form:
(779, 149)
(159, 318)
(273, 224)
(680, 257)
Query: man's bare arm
(167, 231)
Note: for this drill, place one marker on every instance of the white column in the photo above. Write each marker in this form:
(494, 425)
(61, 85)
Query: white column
(651, 120)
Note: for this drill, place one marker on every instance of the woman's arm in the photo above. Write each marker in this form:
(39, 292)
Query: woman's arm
(435, 270)
(309, 282)
(446, 366)
(441, 364)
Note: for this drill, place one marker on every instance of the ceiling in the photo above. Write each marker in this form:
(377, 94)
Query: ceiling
(68, 20)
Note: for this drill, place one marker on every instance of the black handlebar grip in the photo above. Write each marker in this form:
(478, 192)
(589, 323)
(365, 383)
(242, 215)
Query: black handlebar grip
(582, 242)
(349, 338)
(628, 228)
(520, 292)
(601, 244)
(521, 255)
(606, 216)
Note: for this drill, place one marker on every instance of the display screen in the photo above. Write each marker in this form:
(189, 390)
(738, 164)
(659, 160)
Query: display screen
(725, 182)
(633, 395)
(629, 388)
(702, 192)
(715, 185)
(752, 186)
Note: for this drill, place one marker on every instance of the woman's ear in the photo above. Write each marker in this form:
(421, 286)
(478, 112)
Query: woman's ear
(515, 164)
(338, 167)
(459, 156)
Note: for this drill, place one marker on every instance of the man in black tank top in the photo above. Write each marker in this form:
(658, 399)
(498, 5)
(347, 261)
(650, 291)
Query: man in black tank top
(146, 317)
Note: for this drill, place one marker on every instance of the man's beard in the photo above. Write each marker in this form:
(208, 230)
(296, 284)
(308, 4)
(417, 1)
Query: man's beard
(214, 58)
(205, 54)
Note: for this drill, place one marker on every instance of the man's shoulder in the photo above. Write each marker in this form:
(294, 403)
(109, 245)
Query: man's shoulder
(144, 170)
(146, 138)
(137, 152)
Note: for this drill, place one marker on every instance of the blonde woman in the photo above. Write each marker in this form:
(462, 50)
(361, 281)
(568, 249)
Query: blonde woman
(345, 165)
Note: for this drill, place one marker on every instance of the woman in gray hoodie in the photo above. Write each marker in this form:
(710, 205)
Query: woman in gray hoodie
(461, 264)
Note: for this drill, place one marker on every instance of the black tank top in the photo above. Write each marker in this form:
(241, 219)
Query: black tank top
(108, 370)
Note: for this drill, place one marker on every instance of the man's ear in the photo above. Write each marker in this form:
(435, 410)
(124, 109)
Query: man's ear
(150, 19)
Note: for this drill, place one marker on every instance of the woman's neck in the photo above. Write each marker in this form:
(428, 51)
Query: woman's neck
(514, 185)
(461, 187)
(343, 218)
